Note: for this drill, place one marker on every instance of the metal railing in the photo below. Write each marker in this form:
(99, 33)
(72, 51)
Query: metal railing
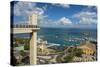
(24, 26)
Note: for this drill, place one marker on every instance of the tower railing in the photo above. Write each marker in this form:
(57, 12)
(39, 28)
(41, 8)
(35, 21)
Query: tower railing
(24, 26)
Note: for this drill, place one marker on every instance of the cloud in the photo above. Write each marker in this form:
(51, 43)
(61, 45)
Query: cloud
(26, 9)
(61, 5)
(90, 8)
(64, 21)
(23, 8)
(86, 17)
(57, 23)
(85, 14)
(45, 7)
(38, 10)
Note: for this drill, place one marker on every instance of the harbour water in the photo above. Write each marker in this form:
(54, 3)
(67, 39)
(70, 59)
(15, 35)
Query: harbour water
(64, 36)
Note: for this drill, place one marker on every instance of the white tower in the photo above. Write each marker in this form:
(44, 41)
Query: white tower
(33, 40)
(33, 19)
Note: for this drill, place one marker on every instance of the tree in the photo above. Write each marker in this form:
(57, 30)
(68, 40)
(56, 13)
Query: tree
(22, 53)
(26, 47)
(68, 58)
(15, 45)
(78, 52)
(75, 51)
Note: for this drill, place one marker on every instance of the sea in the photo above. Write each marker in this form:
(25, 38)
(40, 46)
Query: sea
(63, 36)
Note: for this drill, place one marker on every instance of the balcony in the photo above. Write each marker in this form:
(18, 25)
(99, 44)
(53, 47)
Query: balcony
(24, 28)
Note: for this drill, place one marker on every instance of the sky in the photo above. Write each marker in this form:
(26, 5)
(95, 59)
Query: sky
(55, 14)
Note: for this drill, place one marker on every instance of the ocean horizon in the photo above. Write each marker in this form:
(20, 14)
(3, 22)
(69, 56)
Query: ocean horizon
(63, 36)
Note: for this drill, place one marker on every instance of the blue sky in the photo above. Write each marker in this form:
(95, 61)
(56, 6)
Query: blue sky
(56, 15)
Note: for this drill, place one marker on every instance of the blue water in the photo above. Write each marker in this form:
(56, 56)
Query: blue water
(63, 36)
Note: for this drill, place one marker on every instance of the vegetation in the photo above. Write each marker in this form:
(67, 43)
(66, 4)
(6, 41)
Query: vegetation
(21, 40)
(22, 53)
(76, 51)
(15, 45)
(70, 55)
(26, 47)
(24, 41)
(68, 58)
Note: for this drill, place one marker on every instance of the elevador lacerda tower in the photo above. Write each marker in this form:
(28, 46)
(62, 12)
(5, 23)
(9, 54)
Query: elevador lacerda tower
(30, 27)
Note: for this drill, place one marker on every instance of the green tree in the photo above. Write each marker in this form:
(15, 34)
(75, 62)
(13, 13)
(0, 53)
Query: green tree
(15, 45)
(68, 58)
(26, 47)
(78, 52)
(75, 52)
(22, 53)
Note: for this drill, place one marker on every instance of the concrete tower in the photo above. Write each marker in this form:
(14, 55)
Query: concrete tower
(32, 28)
(33, 19)
(33, 40)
